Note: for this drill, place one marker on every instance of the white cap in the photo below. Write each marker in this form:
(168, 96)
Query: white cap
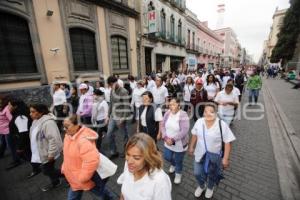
(83, 86)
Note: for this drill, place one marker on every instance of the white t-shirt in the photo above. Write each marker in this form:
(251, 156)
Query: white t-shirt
(212, 136)
(107, 94)
(182, 78)
(156, 186)
(151, 84)
(157, 116)
(227, 110)
(132, 85)
(120, 83)
(160, 94)
(59, 97)
(91, 90)
(137, 99)
(172, 130)
(100, 110)
(225, 80)
(187, 92)
(35, 155)
(21, 123)
(211, 90)
(236, 91)
(175, 81)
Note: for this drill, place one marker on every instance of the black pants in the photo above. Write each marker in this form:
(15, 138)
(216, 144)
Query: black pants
(58, 111)
(101, 128)
(49, 170)
(86, 120)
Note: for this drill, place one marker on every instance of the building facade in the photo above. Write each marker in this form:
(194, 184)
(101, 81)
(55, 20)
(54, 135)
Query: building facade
(161, 35)
(274, 30)
(203, 46)
(231, 47)
(43, 41)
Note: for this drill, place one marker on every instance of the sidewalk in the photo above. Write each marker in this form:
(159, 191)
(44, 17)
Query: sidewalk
(251, 176)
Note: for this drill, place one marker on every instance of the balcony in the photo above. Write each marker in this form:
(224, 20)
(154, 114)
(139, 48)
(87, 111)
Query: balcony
(178, 4)
(166, 37)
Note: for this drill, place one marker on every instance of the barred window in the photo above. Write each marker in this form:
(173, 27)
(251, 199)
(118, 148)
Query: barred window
(16, 51)
(119, 53)
(84, 50)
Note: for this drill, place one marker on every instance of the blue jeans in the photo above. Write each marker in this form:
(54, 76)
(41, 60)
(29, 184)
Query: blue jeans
(112, 127)
(253, 93)
(175, 158)
(99, 190)
(202, 177)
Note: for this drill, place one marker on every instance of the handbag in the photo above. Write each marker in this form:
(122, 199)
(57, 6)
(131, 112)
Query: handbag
(106, 167)
(212, 162)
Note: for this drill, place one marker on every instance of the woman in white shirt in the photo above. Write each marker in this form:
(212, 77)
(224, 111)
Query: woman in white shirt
(227, 102)
(137, 99)
(174, 128)
(188, 88)
(212, 87)
(100, 115)
(143, 177)
(208, 134)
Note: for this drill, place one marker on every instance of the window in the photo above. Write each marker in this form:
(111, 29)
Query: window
(172, 21)
(193, 40)
(189, 39)
(163, 22)
(84, 50)
(179, 30)
(119, 53)
(16, 51)
(151, 6)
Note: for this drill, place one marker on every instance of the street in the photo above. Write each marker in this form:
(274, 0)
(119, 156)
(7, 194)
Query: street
(252, 174)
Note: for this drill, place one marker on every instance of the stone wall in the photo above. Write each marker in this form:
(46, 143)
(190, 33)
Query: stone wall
(32, 95)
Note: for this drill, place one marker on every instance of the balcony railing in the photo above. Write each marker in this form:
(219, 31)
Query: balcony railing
(167, 37)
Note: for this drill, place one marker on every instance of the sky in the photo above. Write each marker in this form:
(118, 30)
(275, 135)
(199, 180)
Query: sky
(250, 19)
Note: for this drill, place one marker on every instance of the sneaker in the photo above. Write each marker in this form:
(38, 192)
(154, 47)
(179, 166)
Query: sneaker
(199, 191)
(172, 169)
(50, 186)
(177, 179)
(209, 193)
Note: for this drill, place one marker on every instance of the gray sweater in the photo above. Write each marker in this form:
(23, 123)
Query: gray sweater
(48, 138)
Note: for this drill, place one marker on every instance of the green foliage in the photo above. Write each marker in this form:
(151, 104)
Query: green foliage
(288, 35)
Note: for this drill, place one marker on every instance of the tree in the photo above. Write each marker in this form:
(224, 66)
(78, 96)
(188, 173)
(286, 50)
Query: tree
(288, 35)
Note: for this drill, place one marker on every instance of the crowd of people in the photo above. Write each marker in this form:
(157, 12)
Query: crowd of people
(160, 107)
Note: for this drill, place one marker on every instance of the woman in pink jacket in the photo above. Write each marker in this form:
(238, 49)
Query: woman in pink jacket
(81, 160)
(5, 137)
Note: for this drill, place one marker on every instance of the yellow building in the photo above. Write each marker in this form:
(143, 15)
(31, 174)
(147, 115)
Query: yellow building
(275, 29)
(46, 40)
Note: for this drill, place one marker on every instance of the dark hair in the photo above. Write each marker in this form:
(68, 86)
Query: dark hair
(149, 94)
(189, 77)
(4, 101)
(130, 77)
(20, 107)
(40, 108)
(214, 78)
(111, 80)
(98, 92)
(176, 99)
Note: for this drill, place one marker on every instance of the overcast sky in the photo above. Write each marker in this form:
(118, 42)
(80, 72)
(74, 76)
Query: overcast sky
(250, 19)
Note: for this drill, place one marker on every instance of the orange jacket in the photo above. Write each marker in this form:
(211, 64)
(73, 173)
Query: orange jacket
(81, 159)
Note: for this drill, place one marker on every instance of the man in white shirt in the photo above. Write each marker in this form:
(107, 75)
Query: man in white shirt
(160, 93)
(227, 102)
(59, 101)
(151, 83)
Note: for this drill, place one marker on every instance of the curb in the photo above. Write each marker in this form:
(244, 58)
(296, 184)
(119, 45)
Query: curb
(286, 146)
